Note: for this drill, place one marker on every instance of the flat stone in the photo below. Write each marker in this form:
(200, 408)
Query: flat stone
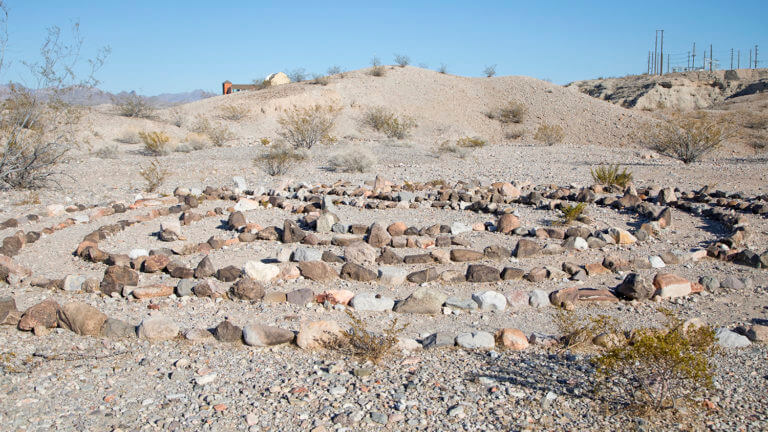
(229, 273)
(461, 303)
(152, 291)
(422, 276)
(118, 329)
(317, 271)
(576, 295)
(527, 248)
(300, 297)
(512, 273)
(440, 339)
(360, 253)
(307, 254)
(730, 339)
(538, 299)
(669, 285)
(372, 302)
(481, 273)
(263, 335)
(157, 329)
(335, 296)
(356, 272)
(424, 300)
(476, 340)
(466, 255)
(81, 318)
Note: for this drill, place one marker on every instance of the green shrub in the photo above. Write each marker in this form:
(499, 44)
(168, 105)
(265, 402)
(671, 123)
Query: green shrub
(570, 213)
(154, 174)
(471, 142)
(305, 127)
(658, 367)
(610, 175)
(278, 160)
(383, 120)
(549, 134)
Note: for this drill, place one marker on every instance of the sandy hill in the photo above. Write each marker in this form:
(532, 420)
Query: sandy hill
(679, 91)
(444, 107)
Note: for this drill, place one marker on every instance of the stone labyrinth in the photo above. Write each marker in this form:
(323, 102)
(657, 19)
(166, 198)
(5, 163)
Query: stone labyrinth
(317, 260)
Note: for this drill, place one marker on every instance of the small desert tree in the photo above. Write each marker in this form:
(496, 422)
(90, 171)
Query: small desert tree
(134, 105)
(489, 71)
(377, 69)
(402, 60)
(38, 126)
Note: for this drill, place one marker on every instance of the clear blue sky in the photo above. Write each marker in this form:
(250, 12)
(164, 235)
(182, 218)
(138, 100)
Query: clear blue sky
(173, 46)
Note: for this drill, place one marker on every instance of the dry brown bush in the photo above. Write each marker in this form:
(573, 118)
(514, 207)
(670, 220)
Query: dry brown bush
(234, 112)
(279, 159)
(362, 343)
(133, 105)
(384, 120)
(377, 69)
(305, 127)
(129, 136)
(549, 134)
(352, 161)
(217, 133)
(686, 137)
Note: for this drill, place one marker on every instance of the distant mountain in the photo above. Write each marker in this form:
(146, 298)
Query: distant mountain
(94, 96)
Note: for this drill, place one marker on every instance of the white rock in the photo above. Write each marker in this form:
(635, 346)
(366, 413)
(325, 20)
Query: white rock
(73, 282)
(206, 379)
(392, 275)
(245, 204)
(656, 262)
(135, 253)
(173, 226)
(460, 228)
(580, 244)
(240, 183)
(539, 299)
(261, 272)
(157, 329)
(307, 254)
(490, 301)
(730, 339)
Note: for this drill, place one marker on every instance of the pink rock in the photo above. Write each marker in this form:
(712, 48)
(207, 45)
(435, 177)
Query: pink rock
(340, 296)
(513, 339)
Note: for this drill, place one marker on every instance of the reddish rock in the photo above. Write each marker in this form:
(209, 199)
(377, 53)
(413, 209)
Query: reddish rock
(151, 291)
(155, 263)
(507, 223)
(397, 229)
(513, 339)
(42, 314)
(317, 271)
(574, 295)
(670, 285)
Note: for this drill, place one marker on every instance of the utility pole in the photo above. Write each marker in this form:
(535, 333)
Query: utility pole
(731, 58)
(649, 63)
(689, 61)
(710, 58)
(693, 56)
(661, 65)
(655, 50)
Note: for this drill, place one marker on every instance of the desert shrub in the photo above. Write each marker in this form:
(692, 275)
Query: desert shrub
(549, 134)
(108, 151)
(176, 118)
(514, 133)
(377, 69)
(685, 137)
(471, 142)
(757, 121)
(297, 75)
(402, 60)
(489, 71)
(758, 141)
(351, 161)
(319, 79)
(512, 112)
(261, 84)
(443, 68)
(234, 112)
(335, 70)
(265, 141)
(217, 133)
(154, 174)
(133, 105)
(279, 159)
(570, 213)
(383, 120)
(196, 141)
(657, 367)
(38, 128)
(450, 147)
(305, 127)
(610, 175)
(129, 136)
(578, 333)
(364, 344)
(156, 143)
